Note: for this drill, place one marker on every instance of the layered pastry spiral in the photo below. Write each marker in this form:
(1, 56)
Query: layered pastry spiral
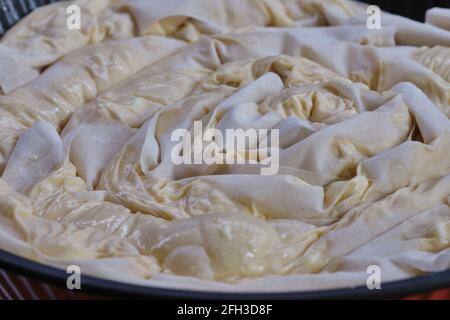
(363, 164)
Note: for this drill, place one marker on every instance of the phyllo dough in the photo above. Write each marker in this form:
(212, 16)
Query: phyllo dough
(353, 125)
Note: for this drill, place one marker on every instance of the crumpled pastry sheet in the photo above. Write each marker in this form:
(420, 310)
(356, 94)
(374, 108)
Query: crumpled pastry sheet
(364, 173)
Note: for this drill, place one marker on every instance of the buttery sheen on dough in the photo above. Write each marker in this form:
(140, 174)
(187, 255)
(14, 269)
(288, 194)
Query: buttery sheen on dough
(86, 118)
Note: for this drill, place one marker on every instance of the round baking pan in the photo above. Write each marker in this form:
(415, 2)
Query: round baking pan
(21, 278)
(113, 289)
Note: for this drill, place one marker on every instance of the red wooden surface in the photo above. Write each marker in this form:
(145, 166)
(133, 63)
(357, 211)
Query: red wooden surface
(436, 295)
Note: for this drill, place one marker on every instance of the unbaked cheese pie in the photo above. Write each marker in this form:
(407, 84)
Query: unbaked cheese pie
(362, 115)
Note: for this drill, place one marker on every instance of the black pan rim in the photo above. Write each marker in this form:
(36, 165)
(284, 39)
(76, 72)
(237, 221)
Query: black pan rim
(114, 289)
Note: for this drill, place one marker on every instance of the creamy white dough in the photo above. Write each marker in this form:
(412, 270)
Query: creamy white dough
(88, 178)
